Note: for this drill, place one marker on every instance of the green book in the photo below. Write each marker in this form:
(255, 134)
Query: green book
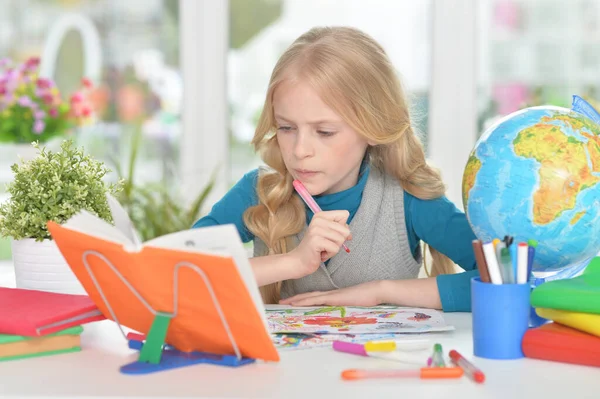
(578, 294)
(14, 347)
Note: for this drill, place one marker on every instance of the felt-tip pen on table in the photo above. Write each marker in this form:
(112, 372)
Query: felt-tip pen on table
(360, 350)
(438, 356)
(473, 372)
(423, 373)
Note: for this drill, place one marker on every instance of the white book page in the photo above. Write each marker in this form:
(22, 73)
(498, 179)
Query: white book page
(88, 223)
(220, 240)
(122, 221)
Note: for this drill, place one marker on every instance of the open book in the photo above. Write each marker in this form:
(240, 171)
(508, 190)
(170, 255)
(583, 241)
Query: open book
(200, 276)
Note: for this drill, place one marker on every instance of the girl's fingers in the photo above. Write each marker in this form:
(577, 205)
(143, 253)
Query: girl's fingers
(332, 234)
(301, 296)
(339, 217)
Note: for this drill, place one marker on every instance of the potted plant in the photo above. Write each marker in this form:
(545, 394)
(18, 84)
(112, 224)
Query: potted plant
(33, 109)
(51, 186)
(156, 209)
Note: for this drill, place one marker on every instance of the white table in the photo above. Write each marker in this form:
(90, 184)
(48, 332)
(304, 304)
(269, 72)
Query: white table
(309, 373)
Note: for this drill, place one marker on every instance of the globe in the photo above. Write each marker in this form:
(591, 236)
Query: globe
(535, 174)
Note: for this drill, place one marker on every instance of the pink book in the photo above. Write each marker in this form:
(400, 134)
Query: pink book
(34, 313)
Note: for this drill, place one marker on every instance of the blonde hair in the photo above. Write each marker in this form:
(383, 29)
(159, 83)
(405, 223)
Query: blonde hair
(340, 63)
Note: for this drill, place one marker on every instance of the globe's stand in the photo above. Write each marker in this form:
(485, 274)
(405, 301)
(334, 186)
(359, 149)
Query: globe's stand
(567, 272)
(539, 278)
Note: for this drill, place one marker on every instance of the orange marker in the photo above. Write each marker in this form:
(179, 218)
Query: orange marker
(423, 373)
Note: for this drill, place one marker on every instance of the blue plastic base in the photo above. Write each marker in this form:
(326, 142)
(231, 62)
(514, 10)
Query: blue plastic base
(172, 358)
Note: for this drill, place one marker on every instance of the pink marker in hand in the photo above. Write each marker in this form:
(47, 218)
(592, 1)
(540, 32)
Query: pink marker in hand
(310, 201)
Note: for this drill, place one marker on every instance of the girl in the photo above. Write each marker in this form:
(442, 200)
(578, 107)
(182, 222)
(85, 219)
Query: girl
(335, 118)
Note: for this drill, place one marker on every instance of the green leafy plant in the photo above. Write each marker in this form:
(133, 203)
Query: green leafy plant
(155, 208)
(54, 186)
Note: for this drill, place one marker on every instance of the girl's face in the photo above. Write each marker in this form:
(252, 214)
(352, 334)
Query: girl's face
(318, 148)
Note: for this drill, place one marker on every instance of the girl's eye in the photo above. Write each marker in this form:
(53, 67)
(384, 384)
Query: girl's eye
(325, 133)
(284, 128)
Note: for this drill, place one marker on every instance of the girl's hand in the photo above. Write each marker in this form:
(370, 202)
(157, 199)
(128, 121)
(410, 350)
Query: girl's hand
(323, 239)
(365, 294)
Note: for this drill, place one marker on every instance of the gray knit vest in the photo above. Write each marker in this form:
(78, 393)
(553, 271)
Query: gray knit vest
(379, 247)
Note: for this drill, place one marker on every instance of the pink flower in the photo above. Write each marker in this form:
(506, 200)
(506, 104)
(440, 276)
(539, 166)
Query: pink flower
(44, 83)
(31, 64)
(40, 92)
(87, 83)
(76, 97)
(4, 62)
(39, 114)
(33, 61)
(11, 79)
(25, 101)
(48, 99)
(38, 126)
(53, 112)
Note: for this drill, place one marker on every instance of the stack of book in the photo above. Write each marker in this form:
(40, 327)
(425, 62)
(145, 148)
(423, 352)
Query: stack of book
(38, 323)
(573, 306)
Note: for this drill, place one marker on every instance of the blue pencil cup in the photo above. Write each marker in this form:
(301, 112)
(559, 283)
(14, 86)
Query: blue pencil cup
(500, 319)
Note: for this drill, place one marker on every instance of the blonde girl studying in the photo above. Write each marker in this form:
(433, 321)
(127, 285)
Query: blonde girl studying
(336, 119)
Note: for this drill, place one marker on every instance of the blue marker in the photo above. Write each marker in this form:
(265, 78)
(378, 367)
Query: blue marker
(530, 255)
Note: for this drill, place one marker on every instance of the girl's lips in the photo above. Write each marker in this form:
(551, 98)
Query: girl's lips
(305, 173)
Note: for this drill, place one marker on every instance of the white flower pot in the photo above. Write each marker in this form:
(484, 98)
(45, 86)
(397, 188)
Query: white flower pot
(41, 266)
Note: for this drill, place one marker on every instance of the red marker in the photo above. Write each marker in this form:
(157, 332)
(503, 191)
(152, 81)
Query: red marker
(309, 200)
(473, 372)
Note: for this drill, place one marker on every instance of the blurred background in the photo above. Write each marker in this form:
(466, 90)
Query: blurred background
(178, 84)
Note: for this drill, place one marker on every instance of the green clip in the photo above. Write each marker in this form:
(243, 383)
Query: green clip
(152, 349)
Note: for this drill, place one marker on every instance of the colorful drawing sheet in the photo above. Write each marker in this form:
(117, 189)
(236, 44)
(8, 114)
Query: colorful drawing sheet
(354, 320)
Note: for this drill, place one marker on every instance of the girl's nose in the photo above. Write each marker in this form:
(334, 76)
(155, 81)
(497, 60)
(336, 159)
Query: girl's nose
(303, 147)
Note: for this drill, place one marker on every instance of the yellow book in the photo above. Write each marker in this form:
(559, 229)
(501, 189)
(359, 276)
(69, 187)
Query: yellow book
(588, 322)
(19, 347)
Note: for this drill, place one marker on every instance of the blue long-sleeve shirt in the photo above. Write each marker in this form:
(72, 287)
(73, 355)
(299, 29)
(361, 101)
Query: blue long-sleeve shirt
(437, 222)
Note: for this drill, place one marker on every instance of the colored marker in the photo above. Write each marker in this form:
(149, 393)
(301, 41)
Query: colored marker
(507, 267)
(350, 347)
(380, 346)
(514, 260)
(480, 260)
(530, 255)
(363, 350)
(438, 356)
(492, 262)
(402, 345)
(496, 241)
(310, 201)
(501, 245)
(522, 263)
(423, 373)
(473, 372)
(359, 349)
